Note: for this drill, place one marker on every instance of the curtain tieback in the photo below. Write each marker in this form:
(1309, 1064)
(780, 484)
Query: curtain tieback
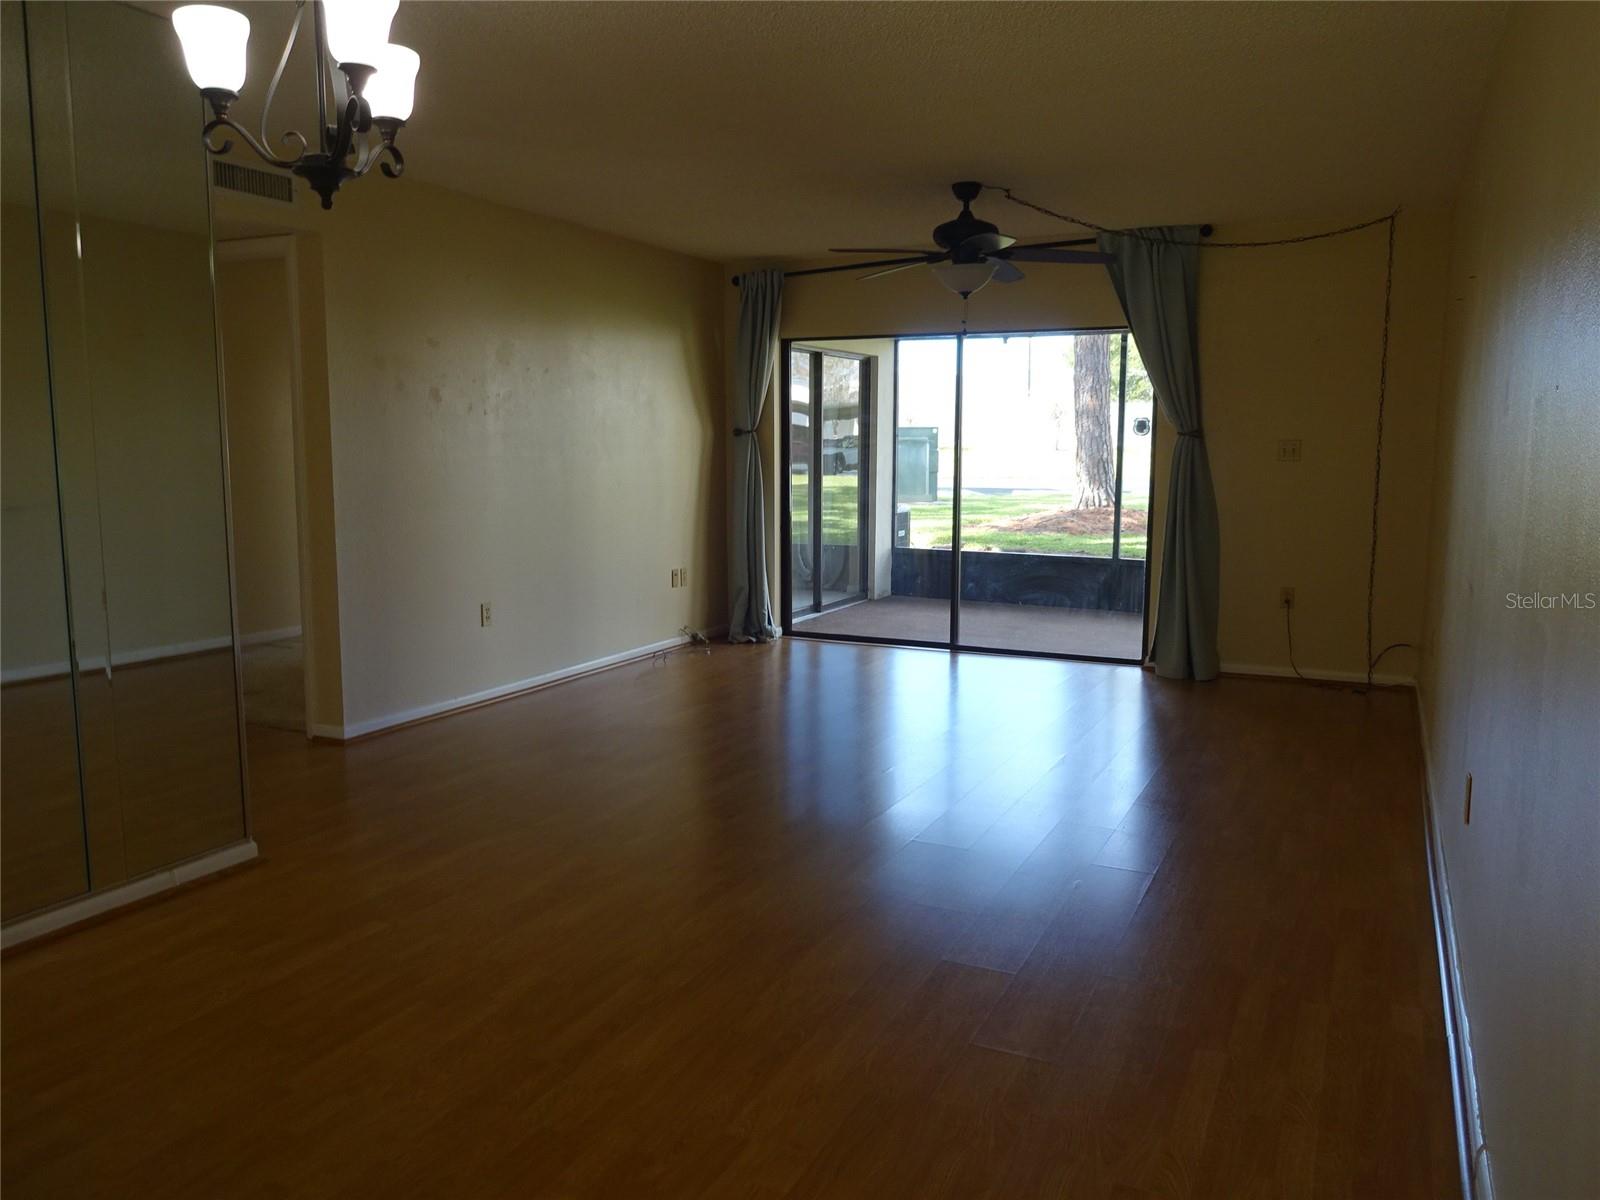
(1196, 434)
(737, 432)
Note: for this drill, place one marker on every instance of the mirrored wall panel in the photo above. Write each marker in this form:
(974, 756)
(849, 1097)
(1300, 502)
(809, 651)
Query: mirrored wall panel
(132, 434)
(42, 857)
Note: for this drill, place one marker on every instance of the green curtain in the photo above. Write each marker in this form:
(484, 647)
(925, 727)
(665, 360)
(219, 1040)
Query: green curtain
(749, 603)
(1154, 272)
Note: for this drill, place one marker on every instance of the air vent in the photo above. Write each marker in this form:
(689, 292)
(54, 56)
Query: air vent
(269, 185)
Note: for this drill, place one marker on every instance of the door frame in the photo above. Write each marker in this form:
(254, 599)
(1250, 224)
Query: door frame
(953, 645)
(864, 452)
(278, 248)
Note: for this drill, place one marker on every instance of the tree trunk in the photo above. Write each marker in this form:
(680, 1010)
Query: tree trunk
(1091, 387)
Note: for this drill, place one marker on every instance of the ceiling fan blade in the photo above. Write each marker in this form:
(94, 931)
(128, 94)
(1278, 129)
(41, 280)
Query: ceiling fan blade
(873, 250)
(1030, 254)
(921, 262)
(1077, 241)
(987, 243)
(1004, 272)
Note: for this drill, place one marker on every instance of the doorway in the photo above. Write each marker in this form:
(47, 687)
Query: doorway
(1007, 508)
(255, 311)
(828, 446)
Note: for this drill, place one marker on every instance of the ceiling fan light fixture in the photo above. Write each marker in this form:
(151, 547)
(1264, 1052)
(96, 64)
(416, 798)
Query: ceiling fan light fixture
(964, 278)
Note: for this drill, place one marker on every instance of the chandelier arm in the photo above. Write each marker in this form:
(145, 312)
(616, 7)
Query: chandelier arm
(277, 77)
(367, 151)
(249, 140)
(349, 121)
(323, 73)
(399, 167)
(388, 129)
(295, 135)
(374, 153)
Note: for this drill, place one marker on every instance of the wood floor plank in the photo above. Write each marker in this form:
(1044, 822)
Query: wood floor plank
(784, 921)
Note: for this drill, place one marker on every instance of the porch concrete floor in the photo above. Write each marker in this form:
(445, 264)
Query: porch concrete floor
(1036, 628)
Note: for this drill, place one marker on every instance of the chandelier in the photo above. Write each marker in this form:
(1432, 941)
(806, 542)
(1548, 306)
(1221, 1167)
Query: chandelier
(371, 90)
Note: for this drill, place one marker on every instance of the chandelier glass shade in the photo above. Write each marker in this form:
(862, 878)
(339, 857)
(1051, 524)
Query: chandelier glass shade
(358, 30)
(370, 83)
(214, 40)
(392, 88)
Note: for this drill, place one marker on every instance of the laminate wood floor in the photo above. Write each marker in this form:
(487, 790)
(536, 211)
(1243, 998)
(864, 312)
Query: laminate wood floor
(791, 921)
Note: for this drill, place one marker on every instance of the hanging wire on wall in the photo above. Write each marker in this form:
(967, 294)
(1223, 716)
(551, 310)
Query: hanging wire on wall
(1390, 219)
(1208, 243)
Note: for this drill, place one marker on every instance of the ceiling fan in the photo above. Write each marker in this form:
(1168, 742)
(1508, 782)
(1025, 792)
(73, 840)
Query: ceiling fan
(973, 251)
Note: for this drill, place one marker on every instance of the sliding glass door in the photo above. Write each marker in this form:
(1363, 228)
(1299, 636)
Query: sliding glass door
(828, 448)
(1052, 516)
(1007, 514)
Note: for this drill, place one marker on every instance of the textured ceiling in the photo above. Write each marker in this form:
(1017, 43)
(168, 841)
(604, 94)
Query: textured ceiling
(740, 130)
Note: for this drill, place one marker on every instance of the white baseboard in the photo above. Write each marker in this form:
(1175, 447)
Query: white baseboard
(1477, 1174)
(49, 670)
(270, 635)
(356, 729)
(92, 905)
(1320, 674)
(144, 654)
(122, 658)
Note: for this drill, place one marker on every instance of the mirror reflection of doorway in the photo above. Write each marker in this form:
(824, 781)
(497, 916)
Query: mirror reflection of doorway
(256, 314)
(827, 447)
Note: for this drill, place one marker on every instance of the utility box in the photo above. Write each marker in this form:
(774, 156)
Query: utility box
(916, 465)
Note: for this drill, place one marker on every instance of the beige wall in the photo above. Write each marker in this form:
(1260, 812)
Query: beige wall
(253, 314)
(1289, 348)
(1510, 695)
(521, 412)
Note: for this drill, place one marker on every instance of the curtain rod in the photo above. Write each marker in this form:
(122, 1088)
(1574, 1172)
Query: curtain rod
(1205, 231)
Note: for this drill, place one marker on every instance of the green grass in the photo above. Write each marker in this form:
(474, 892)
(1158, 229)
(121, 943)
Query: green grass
(930, 523)
(839, 509)
(930, 526)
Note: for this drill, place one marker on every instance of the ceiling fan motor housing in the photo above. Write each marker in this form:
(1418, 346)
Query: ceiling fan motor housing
(952, 234)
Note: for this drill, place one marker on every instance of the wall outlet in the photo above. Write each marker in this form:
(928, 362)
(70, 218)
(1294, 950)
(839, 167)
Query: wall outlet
(485, 615)
(1466, 807)
(677, 577)
(683, 576)
(1289, 450)
(1286, 597)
